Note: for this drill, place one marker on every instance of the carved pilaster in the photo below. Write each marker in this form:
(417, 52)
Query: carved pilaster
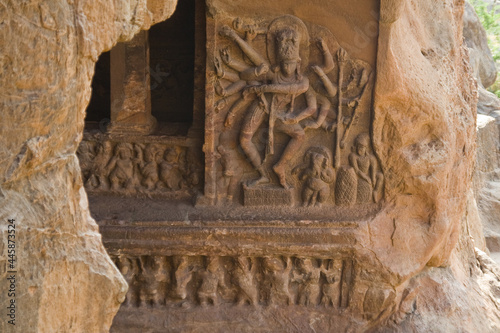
(130, 87)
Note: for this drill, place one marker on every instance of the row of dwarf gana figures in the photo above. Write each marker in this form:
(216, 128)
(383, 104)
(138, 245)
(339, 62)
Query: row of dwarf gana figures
(127, 167)
(283, 93)
(184, 281)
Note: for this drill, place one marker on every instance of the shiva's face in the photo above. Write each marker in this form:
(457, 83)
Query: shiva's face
(288, 67)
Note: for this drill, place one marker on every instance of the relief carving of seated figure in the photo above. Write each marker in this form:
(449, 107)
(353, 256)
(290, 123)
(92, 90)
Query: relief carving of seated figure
(121, 167)
(170, 174)
(318, 175)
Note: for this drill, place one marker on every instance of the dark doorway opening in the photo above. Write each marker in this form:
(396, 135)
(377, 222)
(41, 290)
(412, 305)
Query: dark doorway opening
(172, 54)
(99, 108)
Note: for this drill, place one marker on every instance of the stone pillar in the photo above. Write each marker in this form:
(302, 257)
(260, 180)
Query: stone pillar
(130, 87)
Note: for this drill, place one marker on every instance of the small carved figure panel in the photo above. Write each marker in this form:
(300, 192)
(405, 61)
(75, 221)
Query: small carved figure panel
(137, 168)
(296, 105)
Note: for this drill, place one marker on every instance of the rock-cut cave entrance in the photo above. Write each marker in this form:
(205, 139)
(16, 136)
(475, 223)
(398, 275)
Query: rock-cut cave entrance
(143, 137)
(170, 50)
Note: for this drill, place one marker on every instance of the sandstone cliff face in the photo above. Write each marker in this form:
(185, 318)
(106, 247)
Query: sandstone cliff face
(486, 181)
(424, 133)
(423, 130)
(487, 169)
(480, 55)
(481, 61)
(65, 281)
(457, 291)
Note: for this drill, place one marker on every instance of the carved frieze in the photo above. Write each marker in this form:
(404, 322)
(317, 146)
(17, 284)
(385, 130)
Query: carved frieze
(157, 281)
(130, 168)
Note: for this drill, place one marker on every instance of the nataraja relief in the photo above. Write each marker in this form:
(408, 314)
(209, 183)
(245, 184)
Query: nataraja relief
(284, 88)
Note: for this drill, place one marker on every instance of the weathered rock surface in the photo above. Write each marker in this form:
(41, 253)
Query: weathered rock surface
(480, 55)
(488, 104)
(481, 61)
(425, 137)
(487, 170)
(487, 181)
(65, 281)
(424, 131)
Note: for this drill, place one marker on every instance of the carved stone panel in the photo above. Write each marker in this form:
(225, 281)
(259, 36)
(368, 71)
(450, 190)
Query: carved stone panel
(169, 281)
(139, 166)
(289, 103)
